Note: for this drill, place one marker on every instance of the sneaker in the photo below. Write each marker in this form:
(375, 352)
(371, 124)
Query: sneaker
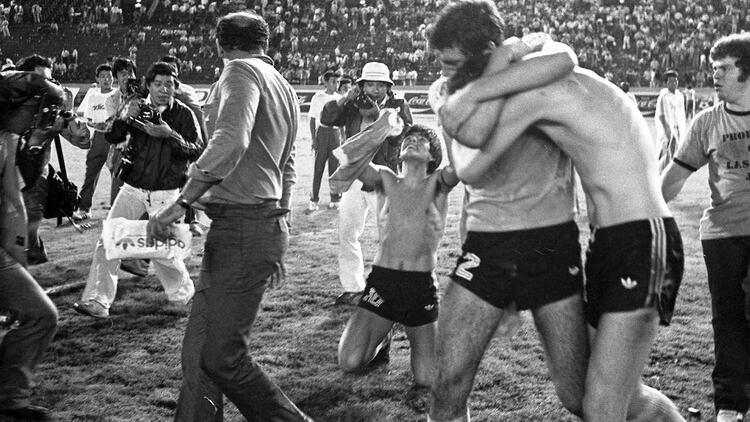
(312, 207)
(729, 416)
(349, 298)
(196, 229)
(333, 206)
(92, 309)
(81, 215)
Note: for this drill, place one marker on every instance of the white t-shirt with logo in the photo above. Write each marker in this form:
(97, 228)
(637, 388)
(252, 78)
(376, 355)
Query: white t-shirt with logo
(93, 105)
(721, 138)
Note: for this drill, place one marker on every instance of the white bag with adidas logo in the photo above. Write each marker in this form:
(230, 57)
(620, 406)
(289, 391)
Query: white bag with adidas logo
(125, 239)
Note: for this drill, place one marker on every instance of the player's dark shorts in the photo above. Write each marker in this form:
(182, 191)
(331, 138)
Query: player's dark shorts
(634, 265)
(529, 267)
(406, 297)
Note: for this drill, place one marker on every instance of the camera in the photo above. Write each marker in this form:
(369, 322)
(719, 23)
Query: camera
(148, 113)
(133, 88)
(49, 114)
(363, 101)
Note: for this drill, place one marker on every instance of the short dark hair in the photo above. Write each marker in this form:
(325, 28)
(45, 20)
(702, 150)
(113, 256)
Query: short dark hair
(103, 68)
(436, 150)
(736, 45)
(245, 31)
(671, 73)
(172, 60)
(330, 74)
(29, 63)
(121, 64)
(159, 68)
(469, 25)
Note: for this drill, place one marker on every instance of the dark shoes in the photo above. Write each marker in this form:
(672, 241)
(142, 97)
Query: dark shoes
(92, 309)
(349, 298)
(138, 267)
(27, 413)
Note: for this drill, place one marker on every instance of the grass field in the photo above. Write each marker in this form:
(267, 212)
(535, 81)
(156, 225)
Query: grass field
(127, 368)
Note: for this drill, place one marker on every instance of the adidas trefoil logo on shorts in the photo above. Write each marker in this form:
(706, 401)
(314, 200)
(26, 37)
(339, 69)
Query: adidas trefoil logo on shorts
(628, 283)
(574, 270)
(373, 298)
(429, 307)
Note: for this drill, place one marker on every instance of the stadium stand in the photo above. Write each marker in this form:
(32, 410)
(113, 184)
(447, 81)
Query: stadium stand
(625, 40)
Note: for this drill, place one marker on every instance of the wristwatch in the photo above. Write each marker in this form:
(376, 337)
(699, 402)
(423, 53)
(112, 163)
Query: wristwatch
(183, 203)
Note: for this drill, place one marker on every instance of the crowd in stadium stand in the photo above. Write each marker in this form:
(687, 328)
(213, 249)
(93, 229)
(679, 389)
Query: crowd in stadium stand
(628, 40)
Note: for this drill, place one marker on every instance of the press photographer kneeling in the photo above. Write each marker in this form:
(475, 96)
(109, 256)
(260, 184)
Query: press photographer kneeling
(164, 137)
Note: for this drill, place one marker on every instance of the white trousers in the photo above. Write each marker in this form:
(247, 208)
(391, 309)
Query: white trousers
(354, 208)
(131, 203)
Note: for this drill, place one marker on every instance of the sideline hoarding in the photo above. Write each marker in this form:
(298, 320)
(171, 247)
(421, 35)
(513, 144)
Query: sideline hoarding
(416, 97)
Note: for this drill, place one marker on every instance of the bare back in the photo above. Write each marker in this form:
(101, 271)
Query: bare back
(412, 222)
(607, 139)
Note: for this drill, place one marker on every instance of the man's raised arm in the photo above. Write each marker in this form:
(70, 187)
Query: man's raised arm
(470, 114)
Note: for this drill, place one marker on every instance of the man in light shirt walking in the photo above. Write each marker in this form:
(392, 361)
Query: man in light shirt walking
(94, 111)
(670, 119)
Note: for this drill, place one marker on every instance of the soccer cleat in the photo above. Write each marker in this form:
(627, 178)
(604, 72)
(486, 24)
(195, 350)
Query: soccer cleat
(725, 415)
(92, 309)
(384, 354)
(333, 206)
(81, 215)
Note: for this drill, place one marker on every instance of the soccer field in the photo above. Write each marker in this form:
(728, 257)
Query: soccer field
(127, 368)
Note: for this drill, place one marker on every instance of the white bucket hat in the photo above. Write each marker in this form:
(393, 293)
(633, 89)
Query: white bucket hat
(375, 72)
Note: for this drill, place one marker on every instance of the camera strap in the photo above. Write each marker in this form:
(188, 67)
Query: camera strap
(63, 171)
(61, 159)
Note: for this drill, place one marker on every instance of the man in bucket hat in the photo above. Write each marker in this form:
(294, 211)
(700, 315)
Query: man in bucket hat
(354, 111)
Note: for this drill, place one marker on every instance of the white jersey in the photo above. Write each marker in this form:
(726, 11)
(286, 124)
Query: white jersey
(672, 107)
(93, 105)
(720, 138)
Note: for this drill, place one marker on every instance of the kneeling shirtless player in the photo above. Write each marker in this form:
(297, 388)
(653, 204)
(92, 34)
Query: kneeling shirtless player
(401, 287)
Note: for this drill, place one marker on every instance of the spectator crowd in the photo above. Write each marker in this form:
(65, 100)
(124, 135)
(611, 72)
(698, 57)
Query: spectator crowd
(632, 41)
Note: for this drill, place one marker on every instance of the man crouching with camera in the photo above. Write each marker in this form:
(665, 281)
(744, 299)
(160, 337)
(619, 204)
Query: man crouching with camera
(163, 135)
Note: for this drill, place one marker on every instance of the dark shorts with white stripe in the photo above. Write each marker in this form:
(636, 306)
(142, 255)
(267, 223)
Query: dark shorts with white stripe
(634, 265)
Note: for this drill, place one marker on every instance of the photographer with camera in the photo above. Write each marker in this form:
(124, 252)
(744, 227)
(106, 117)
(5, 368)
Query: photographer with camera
(356, 110)
(35, 197)
(32, 115)
(123, 70)
(164, 137)
(129, 88)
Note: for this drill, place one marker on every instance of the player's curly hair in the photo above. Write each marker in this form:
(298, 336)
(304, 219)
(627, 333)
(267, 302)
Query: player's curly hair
(735, 45)
(436, 150)
(469, 25)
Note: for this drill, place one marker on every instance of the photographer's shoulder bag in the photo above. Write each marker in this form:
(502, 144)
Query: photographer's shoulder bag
(62, 194)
